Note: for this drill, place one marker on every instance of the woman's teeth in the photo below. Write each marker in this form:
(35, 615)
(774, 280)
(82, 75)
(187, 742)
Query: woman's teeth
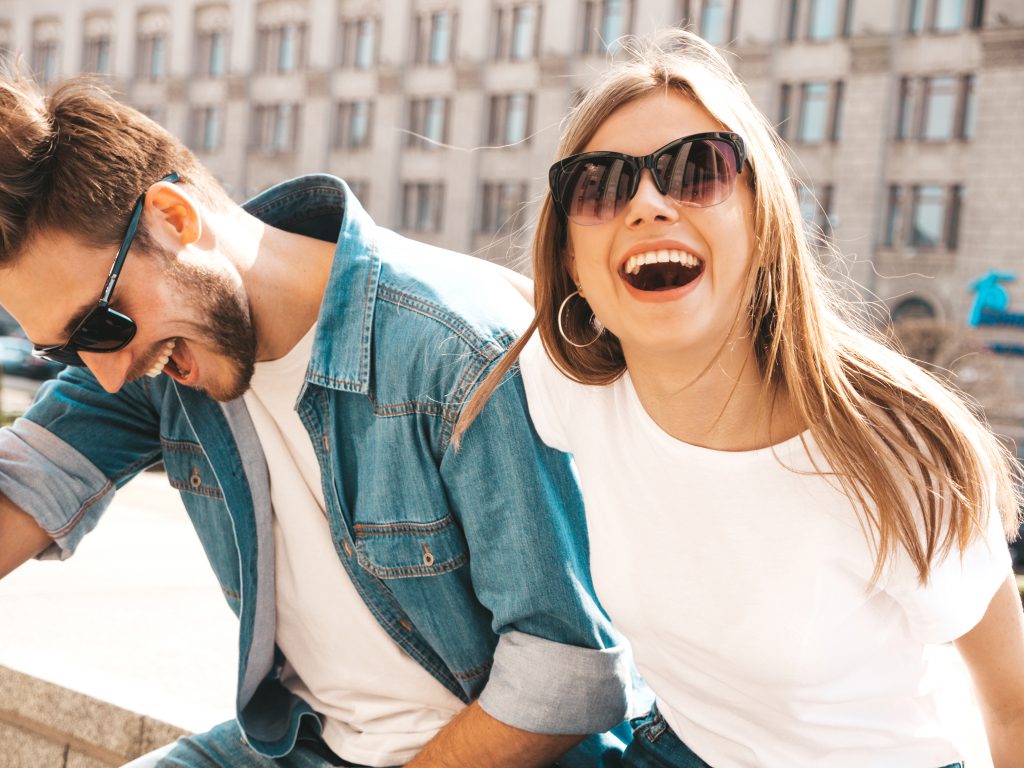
(634, 263)
(165, 355)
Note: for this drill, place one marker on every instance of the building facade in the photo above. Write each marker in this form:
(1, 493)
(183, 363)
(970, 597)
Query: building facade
(443, 115)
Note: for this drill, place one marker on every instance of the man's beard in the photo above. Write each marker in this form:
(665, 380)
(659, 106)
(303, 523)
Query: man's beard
(226, 326)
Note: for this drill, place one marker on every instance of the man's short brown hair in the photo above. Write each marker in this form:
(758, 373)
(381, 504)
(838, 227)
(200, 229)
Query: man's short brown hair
(77, 160)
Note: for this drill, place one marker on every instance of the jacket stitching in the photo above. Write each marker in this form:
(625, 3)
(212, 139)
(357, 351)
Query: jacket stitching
(89, 503)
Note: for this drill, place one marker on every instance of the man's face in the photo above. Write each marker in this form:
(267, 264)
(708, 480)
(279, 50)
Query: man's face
(190, 310)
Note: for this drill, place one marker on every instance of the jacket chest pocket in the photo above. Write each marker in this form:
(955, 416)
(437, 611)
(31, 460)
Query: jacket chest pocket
(188, 469)
(406, 549)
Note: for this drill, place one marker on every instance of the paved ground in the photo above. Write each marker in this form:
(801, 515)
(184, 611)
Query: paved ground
(134, 618)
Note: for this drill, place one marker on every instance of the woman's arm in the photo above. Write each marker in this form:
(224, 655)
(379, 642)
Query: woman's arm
(994, 653)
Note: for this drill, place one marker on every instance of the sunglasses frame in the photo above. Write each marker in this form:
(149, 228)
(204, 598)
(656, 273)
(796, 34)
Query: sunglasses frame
(557, 171)
(67, 353)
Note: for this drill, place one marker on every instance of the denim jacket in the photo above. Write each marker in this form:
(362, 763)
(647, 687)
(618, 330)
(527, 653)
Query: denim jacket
(473, 560)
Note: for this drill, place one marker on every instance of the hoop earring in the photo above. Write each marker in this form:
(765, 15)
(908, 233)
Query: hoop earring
(594, 323)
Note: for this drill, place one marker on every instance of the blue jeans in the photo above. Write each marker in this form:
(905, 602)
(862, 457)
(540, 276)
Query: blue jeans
(655, 745)
(223, 747)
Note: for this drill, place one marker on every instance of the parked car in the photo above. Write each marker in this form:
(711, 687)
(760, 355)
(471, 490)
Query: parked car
(16, 359)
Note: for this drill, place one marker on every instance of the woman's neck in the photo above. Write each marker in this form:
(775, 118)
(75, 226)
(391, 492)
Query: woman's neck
(719, 403)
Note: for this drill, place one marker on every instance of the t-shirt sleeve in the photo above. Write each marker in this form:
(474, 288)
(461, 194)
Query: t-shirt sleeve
(548, 391)
(959, 589)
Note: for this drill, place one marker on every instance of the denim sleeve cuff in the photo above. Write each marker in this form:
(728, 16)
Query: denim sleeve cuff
(48, 479)
(542, 686)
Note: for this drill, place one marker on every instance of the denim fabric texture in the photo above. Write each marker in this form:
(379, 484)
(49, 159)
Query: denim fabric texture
(655, 745)
(474, 561)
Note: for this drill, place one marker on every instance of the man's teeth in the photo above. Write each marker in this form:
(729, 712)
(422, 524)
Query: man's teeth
(165, 355)
(634, 263)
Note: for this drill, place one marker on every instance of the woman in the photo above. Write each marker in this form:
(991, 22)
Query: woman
(786, 517)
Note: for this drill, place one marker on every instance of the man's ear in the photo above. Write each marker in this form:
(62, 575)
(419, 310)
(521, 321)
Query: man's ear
(176, 210)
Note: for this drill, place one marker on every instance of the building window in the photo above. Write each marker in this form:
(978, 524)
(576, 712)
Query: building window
(894, 217)
(358, 49)
(945, 16)
(905, 110)
(500, 202)
(511, 119)
(428, 122)
(821, 110)
(274, 127)
(948, 108)
(968, 113)
(604, 23)
(353, 124)
(824, 20)
(940, 97)
(816, 207)
(46, 50)
(516, 31)
(151, 45)
(913, 308)
(435, 38)
(422, 206)
(212, 25)
(207, 127)
(935, 216)
(785, 109)
(712, 22)
(280, 38)
(97, 43)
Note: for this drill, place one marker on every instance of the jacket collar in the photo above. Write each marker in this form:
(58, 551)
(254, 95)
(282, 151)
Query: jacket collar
(323, 206)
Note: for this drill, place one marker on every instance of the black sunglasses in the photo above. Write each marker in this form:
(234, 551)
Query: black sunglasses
(696, 171)
(103, 329)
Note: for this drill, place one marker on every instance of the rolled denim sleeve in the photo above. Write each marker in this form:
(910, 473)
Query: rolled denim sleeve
(62, 461)
(61, 489)
(559, 666)
(531, 676)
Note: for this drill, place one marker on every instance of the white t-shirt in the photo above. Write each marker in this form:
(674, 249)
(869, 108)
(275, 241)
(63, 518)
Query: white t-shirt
(743, 588)
(380, 707)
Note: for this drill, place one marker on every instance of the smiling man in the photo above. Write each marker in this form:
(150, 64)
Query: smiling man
(299, 371)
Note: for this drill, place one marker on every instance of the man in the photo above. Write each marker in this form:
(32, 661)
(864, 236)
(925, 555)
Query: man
(300, 371)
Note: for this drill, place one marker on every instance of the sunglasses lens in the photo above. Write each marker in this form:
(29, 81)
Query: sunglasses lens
(62, 356)
(104, 330)
(698, 173)
(595, 190)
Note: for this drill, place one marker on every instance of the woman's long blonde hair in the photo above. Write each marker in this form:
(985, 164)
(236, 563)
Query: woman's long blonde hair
(883, 424)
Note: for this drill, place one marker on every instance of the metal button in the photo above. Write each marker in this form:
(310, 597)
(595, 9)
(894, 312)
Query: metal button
(428, 556)
(195, 481)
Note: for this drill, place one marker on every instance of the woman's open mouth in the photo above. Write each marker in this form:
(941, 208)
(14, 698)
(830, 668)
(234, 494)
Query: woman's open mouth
(661, 270)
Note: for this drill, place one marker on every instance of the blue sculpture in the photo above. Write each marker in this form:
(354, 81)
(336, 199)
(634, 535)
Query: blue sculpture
(991, 308)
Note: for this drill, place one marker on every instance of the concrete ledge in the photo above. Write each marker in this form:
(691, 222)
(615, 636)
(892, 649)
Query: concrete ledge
(43, 725)
(121, 649)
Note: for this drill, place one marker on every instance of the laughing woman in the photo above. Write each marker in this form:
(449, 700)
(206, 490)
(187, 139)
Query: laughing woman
(786, 517)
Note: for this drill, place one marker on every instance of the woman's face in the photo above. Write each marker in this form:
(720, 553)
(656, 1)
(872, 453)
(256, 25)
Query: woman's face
(714, 243)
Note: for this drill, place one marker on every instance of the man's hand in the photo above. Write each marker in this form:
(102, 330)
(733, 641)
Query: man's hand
(474, 739)
(20, 537)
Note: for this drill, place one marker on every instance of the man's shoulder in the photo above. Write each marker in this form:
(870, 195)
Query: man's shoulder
(426, 293)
